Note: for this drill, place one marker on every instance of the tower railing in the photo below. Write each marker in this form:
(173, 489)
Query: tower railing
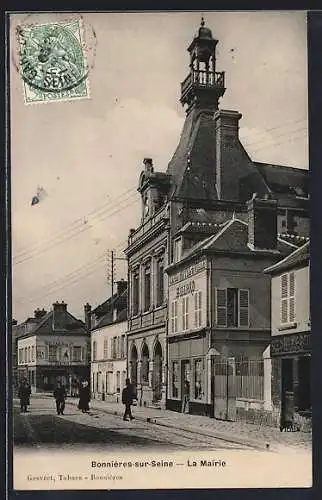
(203, 78)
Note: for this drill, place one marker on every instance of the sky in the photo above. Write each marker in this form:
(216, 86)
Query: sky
(87, 154)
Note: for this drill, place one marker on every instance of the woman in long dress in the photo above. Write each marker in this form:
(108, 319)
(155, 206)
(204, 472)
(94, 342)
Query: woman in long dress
(84, 397)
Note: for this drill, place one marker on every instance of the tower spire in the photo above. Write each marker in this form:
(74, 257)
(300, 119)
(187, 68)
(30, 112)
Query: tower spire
(203, 86)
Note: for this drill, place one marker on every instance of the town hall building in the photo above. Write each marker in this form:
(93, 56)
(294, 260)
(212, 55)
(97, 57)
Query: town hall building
(182, 271)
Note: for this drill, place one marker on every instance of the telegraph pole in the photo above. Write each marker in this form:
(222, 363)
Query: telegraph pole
(113, 260)
(112, 272)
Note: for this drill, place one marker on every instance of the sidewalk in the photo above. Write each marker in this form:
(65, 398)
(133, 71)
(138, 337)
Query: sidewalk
(261, 437)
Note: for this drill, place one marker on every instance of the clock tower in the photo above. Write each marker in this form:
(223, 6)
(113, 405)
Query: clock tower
(154, 188)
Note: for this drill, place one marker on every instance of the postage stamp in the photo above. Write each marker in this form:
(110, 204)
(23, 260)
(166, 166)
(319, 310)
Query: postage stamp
(52, 61)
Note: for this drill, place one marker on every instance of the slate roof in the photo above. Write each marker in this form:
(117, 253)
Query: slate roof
(45, 326)
(232, 238)
(284, 180)
(193, 165)
(104, 311)
(299, 257)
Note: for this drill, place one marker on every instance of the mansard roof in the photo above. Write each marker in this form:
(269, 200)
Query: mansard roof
(193, 167)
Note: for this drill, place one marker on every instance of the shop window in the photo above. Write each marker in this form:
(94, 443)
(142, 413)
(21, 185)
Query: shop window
(198, 379)
(232, 307)
(77, 353)
(160, 282)
(198, 314)
(145, 365)
(175, 379)
(147, 288)
(174, 316)
(287, 290)
(135, 292)
(105, 348)
(185, 313)
(94, 355)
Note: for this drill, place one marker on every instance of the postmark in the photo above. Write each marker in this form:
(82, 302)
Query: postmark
(52, 61)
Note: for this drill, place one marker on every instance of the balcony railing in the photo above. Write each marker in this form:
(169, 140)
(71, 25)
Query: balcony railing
(150, 223)
(202, 78)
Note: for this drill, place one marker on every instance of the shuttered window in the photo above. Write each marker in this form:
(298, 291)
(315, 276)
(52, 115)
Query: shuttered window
(232, 307)
(287, 285)
(174, 316)
(221, 306)
(244, 307)
(198, 313)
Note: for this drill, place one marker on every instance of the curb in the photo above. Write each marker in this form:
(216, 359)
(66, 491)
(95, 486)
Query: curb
(217, 435)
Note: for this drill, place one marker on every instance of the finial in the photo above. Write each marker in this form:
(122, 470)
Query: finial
(202, 21)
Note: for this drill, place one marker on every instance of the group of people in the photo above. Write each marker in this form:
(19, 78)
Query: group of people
(84, 397)
(128, 397)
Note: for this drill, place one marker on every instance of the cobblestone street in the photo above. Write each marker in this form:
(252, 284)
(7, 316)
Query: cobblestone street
(151, 427)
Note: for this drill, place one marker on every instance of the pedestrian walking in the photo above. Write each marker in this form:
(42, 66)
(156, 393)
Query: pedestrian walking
(60, 397)
(128, 396)
(84, 397)
(24, 395)
(186, 397)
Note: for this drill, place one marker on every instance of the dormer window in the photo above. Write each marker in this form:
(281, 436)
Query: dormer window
(177, 250)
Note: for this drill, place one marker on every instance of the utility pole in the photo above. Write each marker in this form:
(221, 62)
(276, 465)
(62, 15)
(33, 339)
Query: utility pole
(113, 260)
(112, 273)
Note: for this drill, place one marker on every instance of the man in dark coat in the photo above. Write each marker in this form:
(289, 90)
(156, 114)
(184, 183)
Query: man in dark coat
(127, 399)
(84, 397)
(24, 395)
(60, 397)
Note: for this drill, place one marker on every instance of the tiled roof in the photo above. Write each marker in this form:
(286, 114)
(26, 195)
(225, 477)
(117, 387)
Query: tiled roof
(299, 257)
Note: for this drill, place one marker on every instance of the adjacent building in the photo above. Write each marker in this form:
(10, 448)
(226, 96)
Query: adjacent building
(290, 341)
(207, 183)
(109, 346)
(219, 316)
(53, 346)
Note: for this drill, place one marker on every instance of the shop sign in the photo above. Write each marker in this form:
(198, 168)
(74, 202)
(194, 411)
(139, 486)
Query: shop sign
(186, 289)
(106, 366)
(287, 344)
(187, 273)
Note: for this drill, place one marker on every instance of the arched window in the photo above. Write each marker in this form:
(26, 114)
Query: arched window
(145, 364)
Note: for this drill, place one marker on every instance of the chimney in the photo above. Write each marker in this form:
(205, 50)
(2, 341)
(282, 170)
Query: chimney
(148, 165)
(227, 139)
(59, 315)
(262, 223)
(87, 316)
(121, 286)
(39, 313)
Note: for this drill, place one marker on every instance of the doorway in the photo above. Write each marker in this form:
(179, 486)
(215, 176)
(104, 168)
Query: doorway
(157, 372)
(287, 414)
(304, 389)
(185, 385)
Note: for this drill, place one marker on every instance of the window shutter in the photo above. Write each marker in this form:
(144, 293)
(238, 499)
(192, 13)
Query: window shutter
(221, 306)
(284, 298)
(292, 297)
(243, 307)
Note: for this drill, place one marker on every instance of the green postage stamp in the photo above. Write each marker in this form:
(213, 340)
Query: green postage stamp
(52, 61)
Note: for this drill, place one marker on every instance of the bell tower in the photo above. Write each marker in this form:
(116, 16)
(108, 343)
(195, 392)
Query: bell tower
(203, 86)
